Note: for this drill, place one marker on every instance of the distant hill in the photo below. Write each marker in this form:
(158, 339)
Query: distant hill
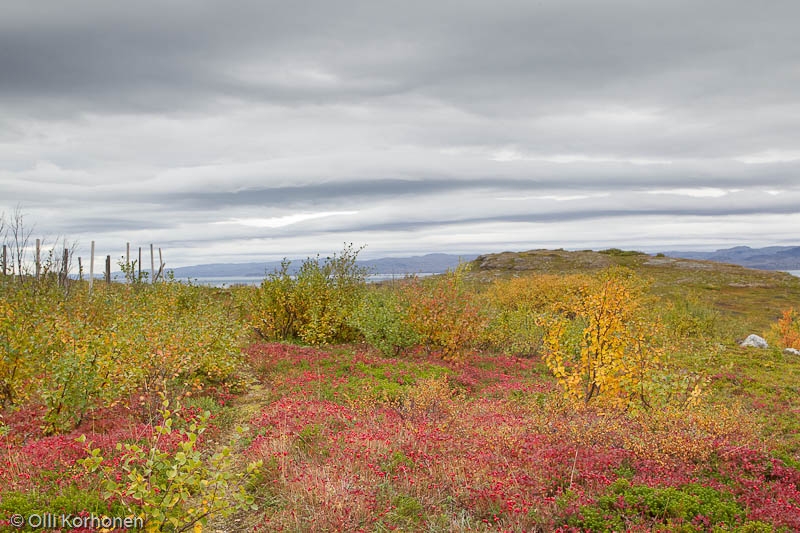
(751, 299)
(430, 263)
(769, 258)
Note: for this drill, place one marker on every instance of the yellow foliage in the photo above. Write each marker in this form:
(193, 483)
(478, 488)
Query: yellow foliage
(444, 314)
(544, 292)
(430, 398)
(609, 350)
(787, 330)
(78, 351)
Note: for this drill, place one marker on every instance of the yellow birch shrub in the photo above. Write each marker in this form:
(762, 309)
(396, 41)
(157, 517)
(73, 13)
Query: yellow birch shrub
(609, 350)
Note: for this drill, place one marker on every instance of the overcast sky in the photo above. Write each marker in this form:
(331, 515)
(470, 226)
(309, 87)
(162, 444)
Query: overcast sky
(241, 131)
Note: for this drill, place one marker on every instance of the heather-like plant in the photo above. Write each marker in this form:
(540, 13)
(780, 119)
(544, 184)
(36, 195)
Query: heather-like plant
(689, 508)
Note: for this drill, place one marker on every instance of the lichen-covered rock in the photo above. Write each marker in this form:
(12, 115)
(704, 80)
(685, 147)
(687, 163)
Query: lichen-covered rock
(754, 341)
(791, 351)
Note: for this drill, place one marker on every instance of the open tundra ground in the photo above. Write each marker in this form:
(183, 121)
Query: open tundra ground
(535, 391)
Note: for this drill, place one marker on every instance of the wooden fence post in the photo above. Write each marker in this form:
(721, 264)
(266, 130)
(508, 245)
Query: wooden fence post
(139, 277)
(152, 265)
(80, 269)
(108, 269)
(91, 268)
(38, 258)
(5, 259)
(65, 268)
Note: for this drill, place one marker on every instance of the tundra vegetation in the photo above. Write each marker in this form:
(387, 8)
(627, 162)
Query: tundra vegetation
(539, 391)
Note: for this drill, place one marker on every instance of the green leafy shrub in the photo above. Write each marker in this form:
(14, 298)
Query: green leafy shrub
(382, 319)
(314, 306)
(691, 504)
(174, 490)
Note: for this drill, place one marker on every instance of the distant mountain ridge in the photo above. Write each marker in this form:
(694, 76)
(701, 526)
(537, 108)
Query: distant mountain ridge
(429, 263)
(769, 258)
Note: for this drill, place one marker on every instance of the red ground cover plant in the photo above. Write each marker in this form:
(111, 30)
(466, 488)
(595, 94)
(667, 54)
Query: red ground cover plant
(500, 450)
(353, 440)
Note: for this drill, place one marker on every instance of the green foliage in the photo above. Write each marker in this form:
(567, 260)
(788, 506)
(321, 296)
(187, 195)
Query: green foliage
(382, 319)
(397, 460)
(515, 332)
(625, 503)
(688, 319)
(174, 490)
(616, 252)
(130, 272)
(314, 306)
(76, 351)
(407, 509)
(69, 500)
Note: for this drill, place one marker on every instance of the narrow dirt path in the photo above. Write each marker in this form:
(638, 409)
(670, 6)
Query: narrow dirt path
(245, 408)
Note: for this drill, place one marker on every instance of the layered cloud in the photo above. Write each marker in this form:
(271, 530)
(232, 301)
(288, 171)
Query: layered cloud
(256, 130)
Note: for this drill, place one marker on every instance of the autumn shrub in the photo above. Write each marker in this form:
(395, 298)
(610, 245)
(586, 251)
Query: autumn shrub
(382, 318)
(515, 306)
(688, 318)
(75, 351)
(787, 330)
(538, 293)
(672, 435)
(444, 313)
(312, 306)
(430, 399)
(26, 342)
(611, 348)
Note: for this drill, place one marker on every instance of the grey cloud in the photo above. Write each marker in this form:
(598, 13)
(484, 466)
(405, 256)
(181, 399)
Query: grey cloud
(156, 118)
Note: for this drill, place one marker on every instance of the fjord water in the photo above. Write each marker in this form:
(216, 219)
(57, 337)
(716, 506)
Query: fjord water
(252, 280)
(232, 280)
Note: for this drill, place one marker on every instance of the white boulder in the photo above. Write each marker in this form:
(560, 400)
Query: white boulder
(754, 341)
(791, 351)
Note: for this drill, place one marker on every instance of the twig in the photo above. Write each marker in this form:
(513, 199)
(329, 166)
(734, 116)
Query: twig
(571, 474)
